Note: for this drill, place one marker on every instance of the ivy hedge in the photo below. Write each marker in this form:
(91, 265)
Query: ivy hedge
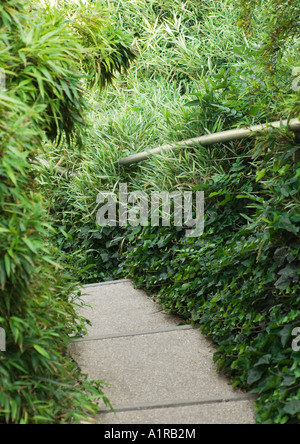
(240, 280)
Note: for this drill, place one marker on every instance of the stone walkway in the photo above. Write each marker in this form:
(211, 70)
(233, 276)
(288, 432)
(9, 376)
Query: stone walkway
(159, 371)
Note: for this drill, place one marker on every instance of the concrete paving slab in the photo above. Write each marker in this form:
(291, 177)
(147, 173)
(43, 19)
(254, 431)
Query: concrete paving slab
(153, 368)
(159, 371)
(119, 308)
(240, 412)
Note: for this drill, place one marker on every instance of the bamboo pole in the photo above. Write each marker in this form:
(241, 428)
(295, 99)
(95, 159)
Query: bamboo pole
(211, 139)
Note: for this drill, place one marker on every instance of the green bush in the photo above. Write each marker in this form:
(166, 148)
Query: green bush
(47, 60)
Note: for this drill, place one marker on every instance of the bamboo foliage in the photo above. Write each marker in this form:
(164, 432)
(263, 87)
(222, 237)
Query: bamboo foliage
(46, 65)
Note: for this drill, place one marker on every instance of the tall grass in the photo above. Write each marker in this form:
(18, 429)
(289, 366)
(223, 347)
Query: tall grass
(196, 73)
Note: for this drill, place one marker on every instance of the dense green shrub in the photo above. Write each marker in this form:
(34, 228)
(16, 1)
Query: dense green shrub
(199, 72)
(240, 281)
(45, 61)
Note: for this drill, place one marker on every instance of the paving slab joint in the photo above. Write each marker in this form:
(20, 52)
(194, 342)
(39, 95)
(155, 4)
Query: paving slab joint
(133, 334)
(179, 404)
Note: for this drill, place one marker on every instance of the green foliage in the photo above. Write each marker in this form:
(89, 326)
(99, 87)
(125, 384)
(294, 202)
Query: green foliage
(240, 281)
(106, 49)
(275, 21)
(274, 25)
(44, 61)
(199, 72)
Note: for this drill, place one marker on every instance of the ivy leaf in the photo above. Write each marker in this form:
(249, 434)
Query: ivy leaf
(268, 384)
(265, 360)
(105, 257)
(285, 335)
(280, 256)
(286, 224)
(255, 375)
(293, 407)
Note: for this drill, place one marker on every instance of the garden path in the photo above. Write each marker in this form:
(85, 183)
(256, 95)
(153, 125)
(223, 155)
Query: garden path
(159, 370)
